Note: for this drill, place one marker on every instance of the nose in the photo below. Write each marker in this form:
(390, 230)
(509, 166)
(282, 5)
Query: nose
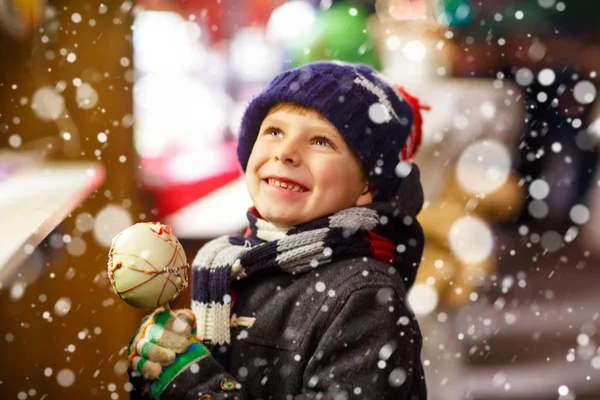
(287, 153)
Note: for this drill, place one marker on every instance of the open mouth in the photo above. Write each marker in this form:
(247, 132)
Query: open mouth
(289, 186)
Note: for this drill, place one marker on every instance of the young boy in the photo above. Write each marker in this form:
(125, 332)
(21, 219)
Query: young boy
(310, 303)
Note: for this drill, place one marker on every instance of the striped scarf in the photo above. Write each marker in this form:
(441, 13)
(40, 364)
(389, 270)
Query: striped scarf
(346, 234)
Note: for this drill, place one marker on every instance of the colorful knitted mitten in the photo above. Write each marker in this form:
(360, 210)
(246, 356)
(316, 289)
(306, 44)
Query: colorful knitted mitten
(164, 346)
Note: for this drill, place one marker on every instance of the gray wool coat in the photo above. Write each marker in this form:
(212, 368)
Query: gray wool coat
(341, 331)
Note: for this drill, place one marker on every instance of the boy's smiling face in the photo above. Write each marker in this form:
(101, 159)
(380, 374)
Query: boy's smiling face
(301, 168)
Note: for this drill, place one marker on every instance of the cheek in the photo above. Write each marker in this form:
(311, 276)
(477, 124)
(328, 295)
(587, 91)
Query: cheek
(257, 158)
(334, 174)
(343, 176)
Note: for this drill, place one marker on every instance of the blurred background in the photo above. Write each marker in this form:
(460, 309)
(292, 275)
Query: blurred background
(117, 112)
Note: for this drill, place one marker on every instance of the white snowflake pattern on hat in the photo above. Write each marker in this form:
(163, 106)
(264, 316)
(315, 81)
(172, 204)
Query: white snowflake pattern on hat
(380, 94)
(387, 80)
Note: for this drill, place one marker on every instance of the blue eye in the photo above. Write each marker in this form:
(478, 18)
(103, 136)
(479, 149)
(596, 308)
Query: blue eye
(274, 131)
(323, 140)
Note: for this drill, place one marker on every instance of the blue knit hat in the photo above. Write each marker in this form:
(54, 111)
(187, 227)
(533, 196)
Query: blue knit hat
(372, 115)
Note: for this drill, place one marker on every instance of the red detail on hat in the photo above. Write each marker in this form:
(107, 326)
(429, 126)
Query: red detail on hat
(382, 249)
(416, 133)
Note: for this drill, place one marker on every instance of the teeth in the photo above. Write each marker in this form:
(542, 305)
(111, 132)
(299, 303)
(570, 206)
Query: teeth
(285, 185)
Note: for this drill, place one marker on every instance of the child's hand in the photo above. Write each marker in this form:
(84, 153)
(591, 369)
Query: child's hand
(162, 335)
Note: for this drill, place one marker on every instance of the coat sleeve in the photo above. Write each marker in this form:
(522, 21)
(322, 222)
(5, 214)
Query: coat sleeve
(371, 350)
(205, 380)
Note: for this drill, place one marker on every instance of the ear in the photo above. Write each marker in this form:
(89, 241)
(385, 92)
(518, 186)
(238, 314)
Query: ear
(366, 197)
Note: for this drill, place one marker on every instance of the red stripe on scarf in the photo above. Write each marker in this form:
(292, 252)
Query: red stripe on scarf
(233, 298)
(255, 212)
(382, 249)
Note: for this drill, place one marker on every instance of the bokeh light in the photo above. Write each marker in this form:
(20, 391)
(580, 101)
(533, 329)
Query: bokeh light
(62, 306)
(47, 103)
(423, 299)
(110, 221)
(65, 377)
(86, 96)
(415, 50)
(483, 167)
(291, 21)
(471, 239)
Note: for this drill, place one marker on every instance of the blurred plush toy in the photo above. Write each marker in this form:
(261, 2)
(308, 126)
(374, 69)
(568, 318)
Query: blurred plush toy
(451, 274)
